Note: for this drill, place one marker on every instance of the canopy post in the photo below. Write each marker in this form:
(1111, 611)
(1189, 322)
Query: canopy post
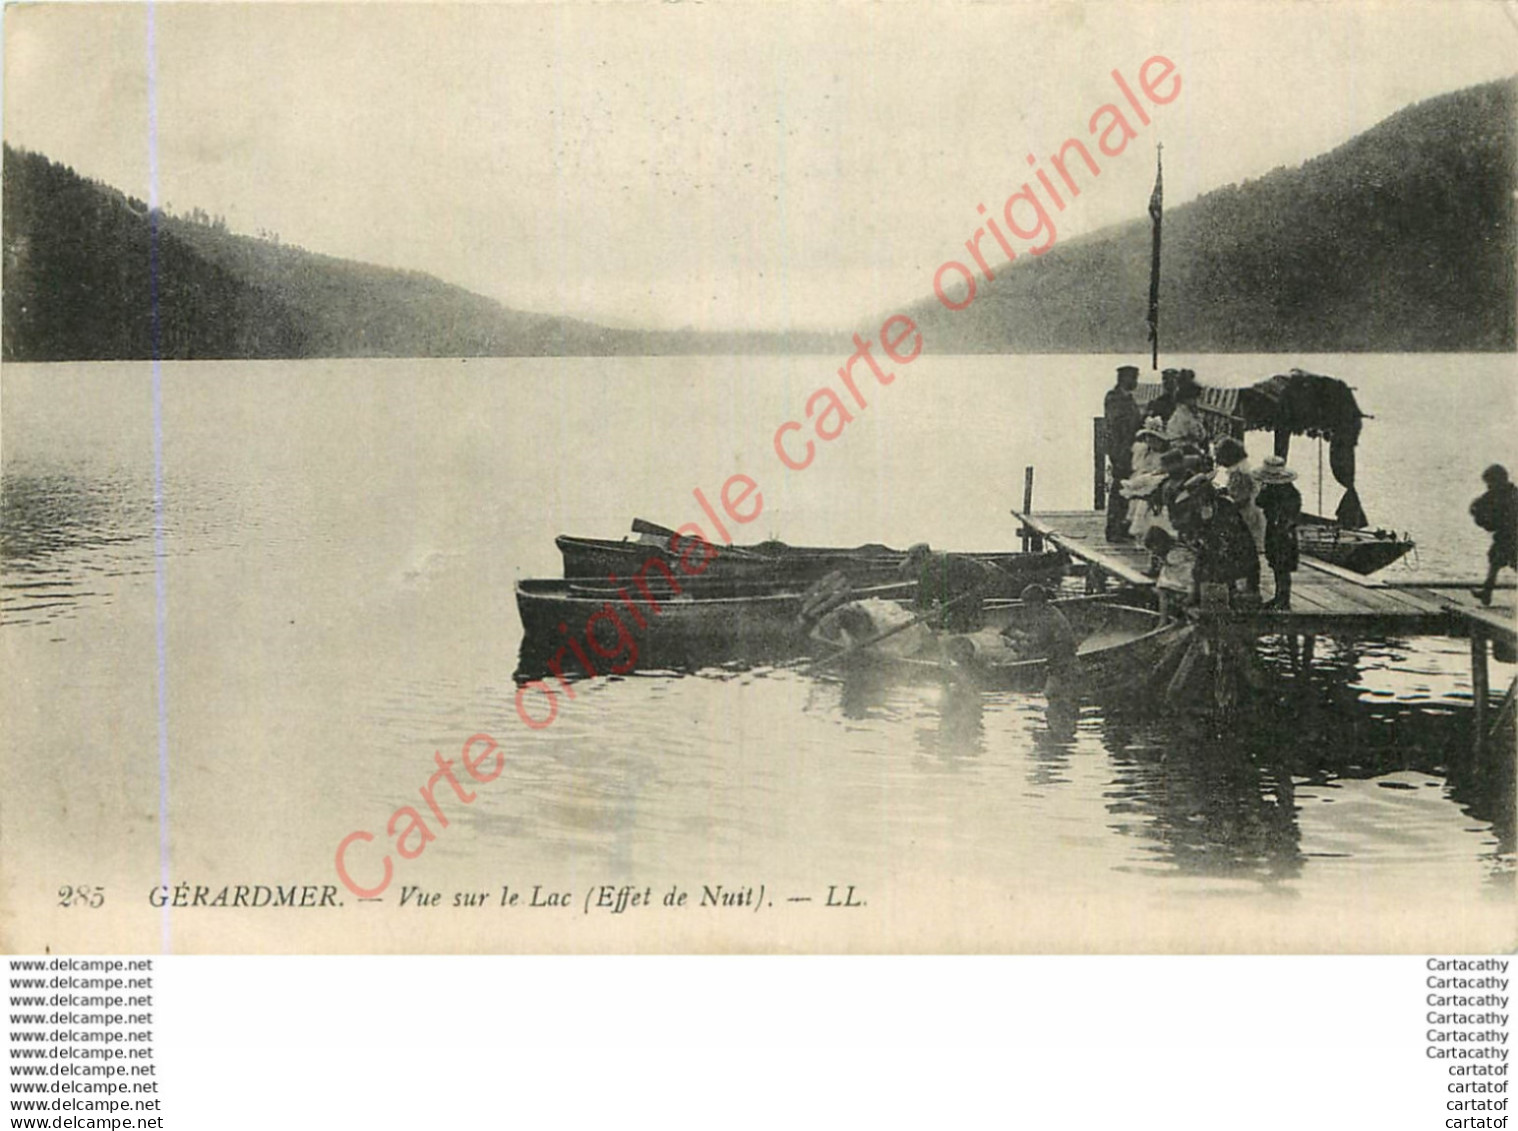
(1320, 474)
(1032, 540)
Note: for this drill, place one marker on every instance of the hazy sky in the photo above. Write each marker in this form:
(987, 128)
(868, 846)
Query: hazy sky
(712, 165)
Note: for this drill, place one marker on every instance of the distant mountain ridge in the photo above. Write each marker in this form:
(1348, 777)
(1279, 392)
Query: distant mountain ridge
(1401, 239)
(80, 284)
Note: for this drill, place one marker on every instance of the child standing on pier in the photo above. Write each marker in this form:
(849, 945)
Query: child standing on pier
(1282, 504)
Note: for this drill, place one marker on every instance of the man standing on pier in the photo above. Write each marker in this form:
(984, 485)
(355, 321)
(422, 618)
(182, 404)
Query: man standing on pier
(1122, 420)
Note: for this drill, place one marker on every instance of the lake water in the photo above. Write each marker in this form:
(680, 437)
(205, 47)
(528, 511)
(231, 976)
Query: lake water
(339, 545)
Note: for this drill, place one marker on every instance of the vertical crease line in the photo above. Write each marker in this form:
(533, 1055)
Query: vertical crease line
(160, 581)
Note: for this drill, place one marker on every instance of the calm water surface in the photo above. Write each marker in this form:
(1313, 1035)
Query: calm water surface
(340, 541)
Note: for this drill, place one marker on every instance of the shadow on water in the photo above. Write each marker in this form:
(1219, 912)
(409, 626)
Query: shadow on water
(1203, 799)
(62, 534)
(1367, 709)
(1223, 800)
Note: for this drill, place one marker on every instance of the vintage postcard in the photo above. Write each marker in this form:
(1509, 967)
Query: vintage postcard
(735, 477)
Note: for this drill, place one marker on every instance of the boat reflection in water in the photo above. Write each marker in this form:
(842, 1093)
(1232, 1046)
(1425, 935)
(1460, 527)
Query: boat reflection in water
(1316, 770)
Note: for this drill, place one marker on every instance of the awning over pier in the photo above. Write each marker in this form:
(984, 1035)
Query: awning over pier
(1297, 403)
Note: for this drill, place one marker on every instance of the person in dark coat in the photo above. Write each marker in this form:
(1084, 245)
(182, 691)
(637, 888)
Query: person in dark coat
(1123, 420)
(1164, 404)
(1282, 504)
(1225, 550)
(1179, 503)
(951, 582)
(1497, 511)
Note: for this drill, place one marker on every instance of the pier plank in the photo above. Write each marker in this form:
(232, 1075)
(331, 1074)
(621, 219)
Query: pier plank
(1417, 601)
(1348, 600)
(1304, 597)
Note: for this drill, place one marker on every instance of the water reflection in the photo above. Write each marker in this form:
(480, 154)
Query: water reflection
(1368, 709)
(961, 730)
(1226, 802)
(63, 534)
(1203, 800)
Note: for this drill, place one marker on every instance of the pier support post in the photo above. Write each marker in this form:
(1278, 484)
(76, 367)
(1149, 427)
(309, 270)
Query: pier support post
(1480, 685)
(1504, 718)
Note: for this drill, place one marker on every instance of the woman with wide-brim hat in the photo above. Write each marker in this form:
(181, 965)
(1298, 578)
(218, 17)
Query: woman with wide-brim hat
(1282, 504)
(1149, 444)
(1142, 487)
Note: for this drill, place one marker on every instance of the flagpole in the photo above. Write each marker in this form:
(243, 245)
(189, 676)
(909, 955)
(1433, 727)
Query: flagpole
(1156, 214)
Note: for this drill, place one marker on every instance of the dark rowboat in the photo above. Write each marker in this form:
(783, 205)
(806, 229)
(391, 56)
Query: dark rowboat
(775, 562)
(1120, 646)
(665, 630)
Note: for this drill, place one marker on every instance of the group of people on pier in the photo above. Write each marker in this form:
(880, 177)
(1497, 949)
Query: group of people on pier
(1194, 500)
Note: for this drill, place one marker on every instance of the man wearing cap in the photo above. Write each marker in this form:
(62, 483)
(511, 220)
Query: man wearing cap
(1123, 420)
(951, 582)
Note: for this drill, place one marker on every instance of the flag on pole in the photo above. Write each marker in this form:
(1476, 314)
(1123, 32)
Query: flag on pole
(1156, 213)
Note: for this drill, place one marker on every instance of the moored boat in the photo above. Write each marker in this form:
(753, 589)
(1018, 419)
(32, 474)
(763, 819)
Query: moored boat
(776, 562)
(1360, 550)
(632, 629)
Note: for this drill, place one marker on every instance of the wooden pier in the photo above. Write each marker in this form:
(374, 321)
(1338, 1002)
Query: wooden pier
(1326, 601)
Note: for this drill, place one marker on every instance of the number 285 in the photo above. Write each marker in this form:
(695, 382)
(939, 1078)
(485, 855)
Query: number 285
(81, 896)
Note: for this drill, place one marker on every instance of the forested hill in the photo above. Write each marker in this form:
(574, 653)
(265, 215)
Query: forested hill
(1401, 239)
(79, 285)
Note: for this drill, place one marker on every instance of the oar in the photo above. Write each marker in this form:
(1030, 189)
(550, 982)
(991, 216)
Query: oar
(643, 526)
